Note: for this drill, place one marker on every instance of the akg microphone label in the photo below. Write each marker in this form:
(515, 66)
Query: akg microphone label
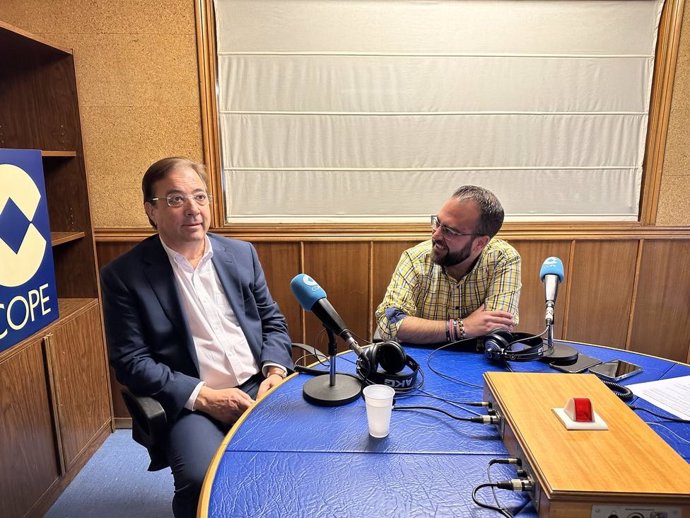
(28, 295)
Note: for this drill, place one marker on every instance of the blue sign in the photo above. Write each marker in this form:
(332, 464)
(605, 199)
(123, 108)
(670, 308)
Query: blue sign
(28, 294)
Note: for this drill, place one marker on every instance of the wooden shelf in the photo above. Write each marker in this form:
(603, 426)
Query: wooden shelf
(59, 409)
(60, 238)
(69, 307)
(58, 154)
(26, 42)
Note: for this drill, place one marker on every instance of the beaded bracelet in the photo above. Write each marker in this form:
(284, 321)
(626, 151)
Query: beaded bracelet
(461, 331)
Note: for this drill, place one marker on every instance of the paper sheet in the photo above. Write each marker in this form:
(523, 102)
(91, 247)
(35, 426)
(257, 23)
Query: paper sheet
(672, 395)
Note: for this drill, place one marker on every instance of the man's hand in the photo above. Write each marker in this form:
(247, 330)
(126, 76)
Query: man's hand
(273, 380)
(481, 322)
(224, 405)
(274, 377)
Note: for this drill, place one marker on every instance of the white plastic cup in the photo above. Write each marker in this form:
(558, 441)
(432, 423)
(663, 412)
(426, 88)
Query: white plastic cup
(379, 403)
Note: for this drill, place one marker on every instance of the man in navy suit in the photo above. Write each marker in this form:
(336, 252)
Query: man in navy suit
(190, 322)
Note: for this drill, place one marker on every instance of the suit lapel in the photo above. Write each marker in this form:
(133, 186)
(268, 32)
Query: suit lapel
(161, 278)
(225, 265)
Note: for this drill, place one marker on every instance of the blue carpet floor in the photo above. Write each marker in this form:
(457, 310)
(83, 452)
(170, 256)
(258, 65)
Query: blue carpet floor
(115, 484)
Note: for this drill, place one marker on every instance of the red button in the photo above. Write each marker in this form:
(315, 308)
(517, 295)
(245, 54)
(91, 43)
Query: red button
(583, 410)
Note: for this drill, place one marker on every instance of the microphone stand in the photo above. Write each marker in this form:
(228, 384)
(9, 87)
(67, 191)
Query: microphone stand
(332, 389)
(558, 353)
(549, 337)
(333, 354)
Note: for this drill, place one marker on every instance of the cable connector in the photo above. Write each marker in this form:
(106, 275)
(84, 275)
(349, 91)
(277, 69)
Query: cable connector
(516, 484)
(509, 460)
(486, 419)
(478, 403)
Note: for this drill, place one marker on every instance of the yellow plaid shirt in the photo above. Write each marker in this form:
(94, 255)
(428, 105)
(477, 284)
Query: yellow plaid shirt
(423, 289)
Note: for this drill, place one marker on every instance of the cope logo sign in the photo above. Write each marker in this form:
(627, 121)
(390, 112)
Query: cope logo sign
(28, 296)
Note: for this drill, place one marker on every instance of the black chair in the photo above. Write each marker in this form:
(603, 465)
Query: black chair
(149, 425)
(149, 422)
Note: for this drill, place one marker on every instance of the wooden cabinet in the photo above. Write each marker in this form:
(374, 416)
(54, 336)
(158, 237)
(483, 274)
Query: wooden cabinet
(55, 407)
(29, 464)
(80, 383)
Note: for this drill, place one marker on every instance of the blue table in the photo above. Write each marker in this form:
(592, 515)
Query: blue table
(289, 458)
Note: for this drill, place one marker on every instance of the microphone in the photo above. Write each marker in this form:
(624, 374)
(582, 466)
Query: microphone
(312, 297)
(332, 389)
(551, 274)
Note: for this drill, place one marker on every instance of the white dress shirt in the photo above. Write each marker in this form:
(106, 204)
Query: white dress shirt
(223, 353)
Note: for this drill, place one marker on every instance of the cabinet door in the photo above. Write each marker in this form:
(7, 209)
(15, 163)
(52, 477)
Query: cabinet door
(80, 380)
(28, 461)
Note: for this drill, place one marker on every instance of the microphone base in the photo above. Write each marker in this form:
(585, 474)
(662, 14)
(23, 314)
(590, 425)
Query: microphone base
(560, 354)
(318, 391)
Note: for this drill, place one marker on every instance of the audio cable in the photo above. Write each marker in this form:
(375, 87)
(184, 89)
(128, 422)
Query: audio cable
(533, 355)
(448, 377)
(456, 404)
(522, 483)
(668, 430)
(483, 419)
(667, 418)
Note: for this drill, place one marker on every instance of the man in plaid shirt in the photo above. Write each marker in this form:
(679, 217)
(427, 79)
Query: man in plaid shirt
(461, 283)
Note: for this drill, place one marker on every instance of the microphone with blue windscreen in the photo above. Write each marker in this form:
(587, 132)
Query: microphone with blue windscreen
(312, 297)
(332, 389)
(551, 274)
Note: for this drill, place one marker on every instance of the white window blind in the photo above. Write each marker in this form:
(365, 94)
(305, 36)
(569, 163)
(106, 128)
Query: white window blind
(365, 110)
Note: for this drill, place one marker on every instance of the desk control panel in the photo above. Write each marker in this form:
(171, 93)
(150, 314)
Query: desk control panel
(621, 511)
(624, 471)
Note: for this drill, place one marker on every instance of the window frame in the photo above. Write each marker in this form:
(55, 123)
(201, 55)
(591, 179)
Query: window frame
(666, 57)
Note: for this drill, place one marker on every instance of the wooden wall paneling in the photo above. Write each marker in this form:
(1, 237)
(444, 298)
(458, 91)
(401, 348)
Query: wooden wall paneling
(106, 252)
(385, 256)
(80, 379)
(341, 269)
(281, 262)
(120, 412)
(532, 301)
(29, 466)
(601, 290)
(661, 324)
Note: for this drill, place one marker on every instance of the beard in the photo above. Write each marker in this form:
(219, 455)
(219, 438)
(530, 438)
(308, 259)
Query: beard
(447, 258)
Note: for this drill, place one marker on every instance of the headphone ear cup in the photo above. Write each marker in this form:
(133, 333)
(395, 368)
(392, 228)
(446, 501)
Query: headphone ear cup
(368, 358)
(391, 356)
(496, 343)
(370, 354)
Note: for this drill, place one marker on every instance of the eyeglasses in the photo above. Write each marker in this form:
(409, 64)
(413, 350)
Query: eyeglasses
(447, 231)
(177, 200)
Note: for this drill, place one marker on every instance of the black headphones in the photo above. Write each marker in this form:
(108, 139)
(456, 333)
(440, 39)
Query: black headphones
(385, 363)
(500, 346)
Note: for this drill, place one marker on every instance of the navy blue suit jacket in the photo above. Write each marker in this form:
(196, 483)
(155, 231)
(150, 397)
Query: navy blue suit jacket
(149, 342)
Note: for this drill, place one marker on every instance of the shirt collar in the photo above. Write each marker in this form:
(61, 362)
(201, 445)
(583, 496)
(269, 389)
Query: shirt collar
(180, 260)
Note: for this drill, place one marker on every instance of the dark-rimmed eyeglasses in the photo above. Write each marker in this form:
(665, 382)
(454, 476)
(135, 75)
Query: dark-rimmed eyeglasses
(446, 230)
(177, 200)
